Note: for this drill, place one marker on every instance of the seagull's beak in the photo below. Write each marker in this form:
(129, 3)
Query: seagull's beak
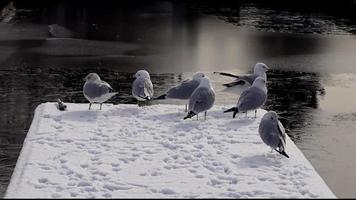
(267, 68)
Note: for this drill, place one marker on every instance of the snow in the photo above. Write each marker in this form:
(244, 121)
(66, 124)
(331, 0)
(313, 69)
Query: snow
(130, 151)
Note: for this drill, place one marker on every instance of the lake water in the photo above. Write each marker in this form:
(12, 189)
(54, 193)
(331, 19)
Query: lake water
(312, 82)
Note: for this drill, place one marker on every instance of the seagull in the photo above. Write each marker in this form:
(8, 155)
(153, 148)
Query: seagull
(96, 90)
(259, 70)
(273, 133)
(183, 90)
(142, 88)
(202, 99)
(252, 98)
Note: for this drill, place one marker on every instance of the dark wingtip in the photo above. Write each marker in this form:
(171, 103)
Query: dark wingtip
(230, 110)
(285, 154)
(233, 109)
(163, 96)
(239, 82)
(282, 153)
(226, 85)
(189, 115)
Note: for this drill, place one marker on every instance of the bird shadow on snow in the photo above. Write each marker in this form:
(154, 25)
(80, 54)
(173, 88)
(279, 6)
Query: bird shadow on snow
(257, 161)
(81, 116)
(219, 114)
(124, 112)
(238, 123)
(186, 126)
(172, 116)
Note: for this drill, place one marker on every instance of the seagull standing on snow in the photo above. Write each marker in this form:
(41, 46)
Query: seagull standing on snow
(142, 88)
(202, 99)
(96, 90)
(259, 70)
(184, 90)
(252, 98)
(273, 133)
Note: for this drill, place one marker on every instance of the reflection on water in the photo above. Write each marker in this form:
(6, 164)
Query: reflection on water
(325, 17)
(293, 94)
(172, 41)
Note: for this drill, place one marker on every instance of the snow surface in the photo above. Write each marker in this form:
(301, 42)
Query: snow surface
(130, 151)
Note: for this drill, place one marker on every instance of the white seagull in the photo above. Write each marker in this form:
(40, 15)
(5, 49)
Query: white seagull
(96, 90)
(183, 90)
(142, 87)
(202, 99)
(273, 133)
(252, 98)
(259, 70)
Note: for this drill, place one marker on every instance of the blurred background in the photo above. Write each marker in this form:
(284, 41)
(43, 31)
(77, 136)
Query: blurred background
(48, 47)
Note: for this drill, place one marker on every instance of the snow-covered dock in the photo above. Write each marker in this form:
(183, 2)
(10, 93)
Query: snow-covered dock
(130, 151)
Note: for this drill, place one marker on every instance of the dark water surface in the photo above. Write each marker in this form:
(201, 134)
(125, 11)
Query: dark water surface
(312, 83)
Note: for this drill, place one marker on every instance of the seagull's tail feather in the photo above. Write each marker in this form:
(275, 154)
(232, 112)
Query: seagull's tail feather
(163, 96)
(227, 84)
(233, 109)
(283, 153)
(235, 112)
(107, 96)
(190, 115)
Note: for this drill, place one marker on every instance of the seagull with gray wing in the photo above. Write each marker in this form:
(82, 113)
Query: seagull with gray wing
(142, 87)
(202, 99)
(252, 98)
(183, 90)
(97, 91)
(273, 133)
(259, 70)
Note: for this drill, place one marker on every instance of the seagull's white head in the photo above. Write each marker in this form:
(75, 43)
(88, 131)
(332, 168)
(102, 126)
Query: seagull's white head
(92, 77)
(142, 74)
(271, 115)
(260, 68)
(259, 82)
(198, 76)
(205, 82)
